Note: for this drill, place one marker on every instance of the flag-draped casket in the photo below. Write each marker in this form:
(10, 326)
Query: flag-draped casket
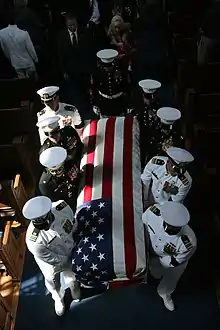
(111, 241)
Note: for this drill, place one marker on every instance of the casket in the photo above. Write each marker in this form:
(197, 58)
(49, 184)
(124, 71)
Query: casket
(111, 241)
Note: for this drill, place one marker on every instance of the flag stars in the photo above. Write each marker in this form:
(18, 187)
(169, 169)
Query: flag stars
(100, 237)
(94, 214)
(101, 205)
(93, 230)
(101, 256)
(85, 258)
(78, 268)
(81, 234)
(88, 207)
(73, 261)
(100, 220)
(104, 272)
(86, 240)
(79, 251)
(87, 223)
(94, 267)
(93, 247)
(82, 218)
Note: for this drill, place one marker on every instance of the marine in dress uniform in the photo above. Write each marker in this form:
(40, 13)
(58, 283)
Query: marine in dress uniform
(167, 133)
(147, 116)
(110, 85)
(173, 243)
(49, 238)
(59, 179)
(69, 115)
(65, 137)
(166, 178)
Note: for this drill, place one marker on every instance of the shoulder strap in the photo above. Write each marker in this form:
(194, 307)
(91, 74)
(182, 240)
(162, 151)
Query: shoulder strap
(69, 108)
(61, 206)
(186, 242)
(34, 235)
(155, 210)
(157, 161)
(183, 179)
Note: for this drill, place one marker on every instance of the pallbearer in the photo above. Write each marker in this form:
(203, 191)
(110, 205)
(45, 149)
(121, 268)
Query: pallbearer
(147, 115)
(109, 85)
(59, 179)
(167, 178)
(168, 133)
(173, 243)
(66, 137)
(49, 238)
(69, 114)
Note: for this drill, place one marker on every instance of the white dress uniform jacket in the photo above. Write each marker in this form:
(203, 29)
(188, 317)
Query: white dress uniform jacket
(52, 248)
(69, 115)
(155, 171)
(167, 251)
(18, 47)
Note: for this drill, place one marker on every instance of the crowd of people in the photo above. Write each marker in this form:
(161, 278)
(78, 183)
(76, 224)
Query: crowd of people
(95, 55)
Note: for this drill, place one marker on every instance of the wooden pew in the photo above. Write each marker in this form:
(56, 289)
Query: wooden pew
(12, 249)
(14, 92)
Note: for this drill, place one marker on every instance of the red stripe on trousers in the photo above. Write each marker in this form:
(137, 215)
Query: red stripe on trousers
(108, 158)
(90, 161)
(128, 210)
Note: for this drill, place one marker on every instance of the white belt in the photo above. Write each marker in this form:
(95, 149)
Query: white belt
(111, 97)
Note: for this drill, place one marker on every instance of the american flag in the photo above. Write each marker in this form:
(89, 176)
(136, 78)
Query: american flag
(92, 259)
(111, 171)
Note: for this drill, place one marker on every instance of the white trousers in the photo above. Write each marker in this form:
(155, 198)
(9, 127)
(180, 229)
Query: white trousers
(170, 276)
(52, 278)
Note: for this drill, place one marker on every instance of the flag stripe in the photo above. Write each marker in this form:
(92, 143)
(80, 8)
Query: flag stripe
(138, 204)
(85, 140)
(90, 162)
(117, 200)
(129, 240)
(108, 158)
(98, 160)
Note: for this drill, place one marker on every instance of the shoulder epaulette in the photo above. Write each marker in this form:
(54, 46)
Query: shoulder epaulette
(61, 206)
(183, 179)
(40, 113)
(186, 242)
(155, 210)
(157, 161)
(34, 235)
(69, 108)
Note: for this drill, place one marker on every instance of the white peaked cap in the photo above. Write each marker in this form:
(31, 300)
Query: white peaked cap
(168, 115)
(47, 93)
(36, 207)
(107, 55)
(180, 156)
(53, 158)
(149, 86)
(175, 214)
(49, 124)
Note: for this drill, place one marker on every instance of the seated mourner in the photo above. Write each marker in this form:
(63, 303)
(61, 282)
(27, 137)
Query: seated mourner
(167, 133)
(168, 176)
(172, 244)
(49, 238)
(109, 85)
(69, 114)
(65, 137)
(59, 179)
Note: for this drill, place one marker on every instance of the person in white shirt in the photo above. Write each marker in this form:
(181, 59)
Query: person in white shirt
(95, 17)
(18, 48)
(172, 244)
(168, 176)
(49, 238)
(69, 114)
